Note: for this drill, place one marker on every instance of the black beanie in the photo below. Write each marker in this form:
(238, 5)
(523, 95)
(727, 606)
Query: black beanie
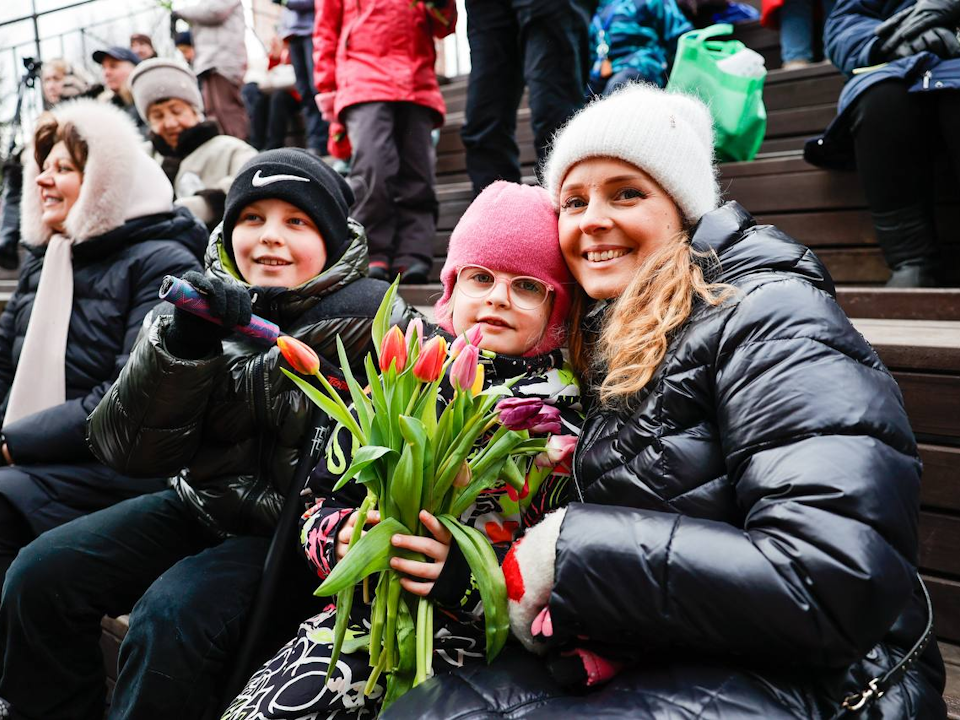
(301, 179)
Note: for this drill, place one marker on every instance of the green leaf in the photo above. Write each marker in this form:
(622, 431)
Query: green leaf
(352, 643)
(400, 680)
(334, 408)
(381, 321)
(496, 391)
(370, 554)
(478, 483)
(405, 487)
(415, 435)
(361, 402)
(366, 455)
(344, 605)
(510, 473)
(483, 563)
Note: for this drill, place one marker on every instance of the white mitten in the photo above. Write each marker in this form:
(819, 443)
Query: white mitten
(528, 569)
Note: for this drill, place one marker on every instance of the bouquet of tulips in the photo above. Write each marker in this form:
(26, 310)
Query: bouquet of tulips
(412, 457)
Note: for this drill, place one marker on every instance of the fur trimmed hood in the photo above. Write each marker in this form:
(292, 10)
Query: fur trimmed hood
(120, 181)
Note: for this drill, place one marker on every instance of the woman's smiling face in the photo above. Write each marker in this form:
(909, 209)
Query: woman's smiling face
(58, 185)
(613, 215)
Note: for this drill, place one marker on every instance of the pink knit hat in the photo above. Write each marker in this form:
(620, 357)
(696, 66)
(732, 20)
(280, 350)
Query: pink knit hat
(511, 228)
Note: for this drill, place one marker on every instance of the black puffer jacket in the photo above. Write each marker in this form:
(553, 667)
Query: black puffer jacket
(748, 527)
(116, 278)
(230, 427)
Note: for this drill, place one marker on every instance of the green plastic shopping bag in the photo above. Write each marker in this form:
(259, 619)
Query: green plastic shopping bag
(735, 101)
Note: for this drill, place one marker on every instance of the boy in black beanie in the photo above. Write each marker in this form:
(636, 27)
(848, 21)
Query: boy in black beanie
(210, 409)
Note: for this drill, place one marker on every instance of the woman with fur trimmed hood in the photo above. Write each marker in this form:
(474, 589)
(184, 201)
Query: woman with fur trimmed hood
(101, 231)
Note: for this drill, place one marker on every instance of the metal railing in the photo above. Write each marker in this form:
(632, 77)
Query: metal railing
(75, 44)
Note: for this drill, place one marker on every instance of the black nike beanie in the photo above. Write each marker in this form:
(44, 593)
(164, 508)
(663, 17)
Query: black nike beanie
(301, 179)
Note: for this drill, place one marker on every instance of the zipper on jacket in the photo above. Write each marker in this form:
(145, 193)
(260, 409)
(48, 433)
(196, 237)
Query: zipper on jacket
(578, 452)
(926, 79)
(258, 390)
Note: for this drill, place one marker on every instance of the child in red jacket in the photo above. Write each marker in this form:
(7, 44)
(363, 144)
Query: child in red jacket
(374, 70)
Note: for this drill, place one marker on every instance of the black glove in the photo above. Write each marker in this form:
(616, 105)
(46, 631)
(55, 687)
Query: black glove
(191, 337)
(939, 41)
(910, 23)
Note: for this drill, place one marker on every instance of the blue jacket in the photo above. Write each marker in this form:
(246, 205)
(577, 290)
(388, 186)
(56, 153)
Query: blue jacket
(296, 20)
(640, 34)
(849, 41)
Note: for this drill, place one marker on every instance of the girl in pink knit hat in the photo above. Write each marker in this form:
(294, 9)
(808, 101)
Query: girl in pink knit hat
(507, 288)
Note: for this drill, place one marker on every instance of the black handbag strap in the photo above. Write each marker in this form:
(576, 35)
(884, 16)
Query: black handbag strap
(878, 686)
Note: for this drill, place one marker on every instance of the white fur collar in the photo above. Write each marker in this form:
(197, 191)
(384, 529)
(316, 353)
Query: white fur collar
(120, 181)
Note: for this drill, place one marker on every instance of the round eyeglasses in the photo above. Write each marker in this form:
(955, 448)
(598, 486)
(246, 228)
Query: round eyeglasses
(525, 292)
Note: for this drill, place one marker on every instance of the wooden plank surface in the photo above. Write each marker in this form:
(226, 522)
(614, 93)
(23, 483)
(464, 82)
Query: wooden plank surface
(951, 694)
(901, 303)
(940, 486)
(939, 542)
(932, 402)
(915, 345)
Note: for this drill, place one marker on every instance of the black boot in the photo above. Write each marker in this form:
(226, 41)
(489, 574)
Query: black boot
(909, 242)
(10, 218)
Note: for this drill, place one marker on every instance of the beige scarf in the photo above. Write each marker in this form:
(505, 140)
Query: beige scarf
(39, 382)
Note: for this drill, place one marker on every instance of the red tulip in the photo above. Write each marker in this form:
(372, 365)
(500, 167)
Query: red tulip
(301, 356)
(393, 349)
(429, 364)
(463, 371)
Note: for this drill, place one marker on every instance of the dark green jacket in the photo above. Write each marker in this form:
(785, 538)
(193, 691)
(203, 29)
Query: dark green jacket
(229, 427)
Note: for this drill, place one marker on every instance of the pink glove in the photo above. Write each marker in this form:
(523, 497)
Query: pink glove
(528, 570)
(325, 104)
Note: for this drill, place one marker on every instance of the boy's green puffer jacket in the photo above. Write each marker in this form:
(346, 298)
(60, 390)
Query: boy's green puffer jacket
(229, 427)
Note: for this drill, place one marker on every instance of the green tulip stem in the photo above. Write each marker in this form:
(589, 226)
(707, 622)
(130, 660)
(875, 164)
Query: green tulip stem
(377, 617)
(390, 631)
(424, 640)
(375, 675)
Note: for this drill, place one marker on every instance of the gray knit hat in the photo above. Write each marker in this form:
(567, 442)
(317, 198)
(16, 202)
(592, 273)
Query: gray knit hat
(667, 135)
(159, 79)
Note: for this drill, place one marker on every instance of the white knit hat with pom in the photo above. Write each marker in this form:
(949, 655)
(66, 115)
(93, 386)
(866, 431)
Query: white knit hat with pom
(667, 135)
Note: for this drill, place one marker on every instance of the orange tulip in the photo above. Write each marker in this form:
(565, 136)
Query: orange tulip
(301, 356)
(429, 364)
(393, 350)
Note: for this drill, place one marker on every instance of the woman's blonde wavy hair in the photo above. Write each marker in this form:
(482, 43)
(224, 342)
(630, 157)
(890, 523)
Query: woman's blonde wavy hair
(637, 327)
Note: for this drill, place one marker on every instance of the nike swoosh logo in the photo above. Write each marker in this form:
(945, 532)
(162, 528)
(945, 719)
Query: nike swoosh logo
(259, 180)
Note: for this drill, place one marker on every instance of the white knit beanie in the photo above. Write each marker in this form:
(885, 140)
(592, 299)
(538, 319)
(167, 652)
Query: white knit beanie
(667, 135)
(159, 79)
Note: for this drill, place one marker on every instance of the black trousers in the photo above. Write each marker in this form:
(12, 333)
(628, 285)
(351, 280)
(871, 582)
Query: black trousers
(393, 174)
(301, 57)
(189, 595)
(896, 137)
(543, 44)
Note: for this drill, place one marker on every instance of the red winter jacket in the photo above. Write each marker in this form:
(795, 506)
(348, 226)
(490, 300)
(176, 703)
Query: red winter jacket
(379, 50)
(770, 13)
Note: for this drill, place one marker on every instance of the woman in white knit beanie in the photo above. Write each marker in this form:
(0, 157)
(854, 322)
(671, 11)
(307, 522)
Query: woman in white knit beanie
(742, 541)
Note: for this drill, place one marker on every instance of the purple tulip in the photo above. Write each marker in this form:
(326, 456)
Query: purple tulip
(529, 414)
(516, 412)
(547, 420)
